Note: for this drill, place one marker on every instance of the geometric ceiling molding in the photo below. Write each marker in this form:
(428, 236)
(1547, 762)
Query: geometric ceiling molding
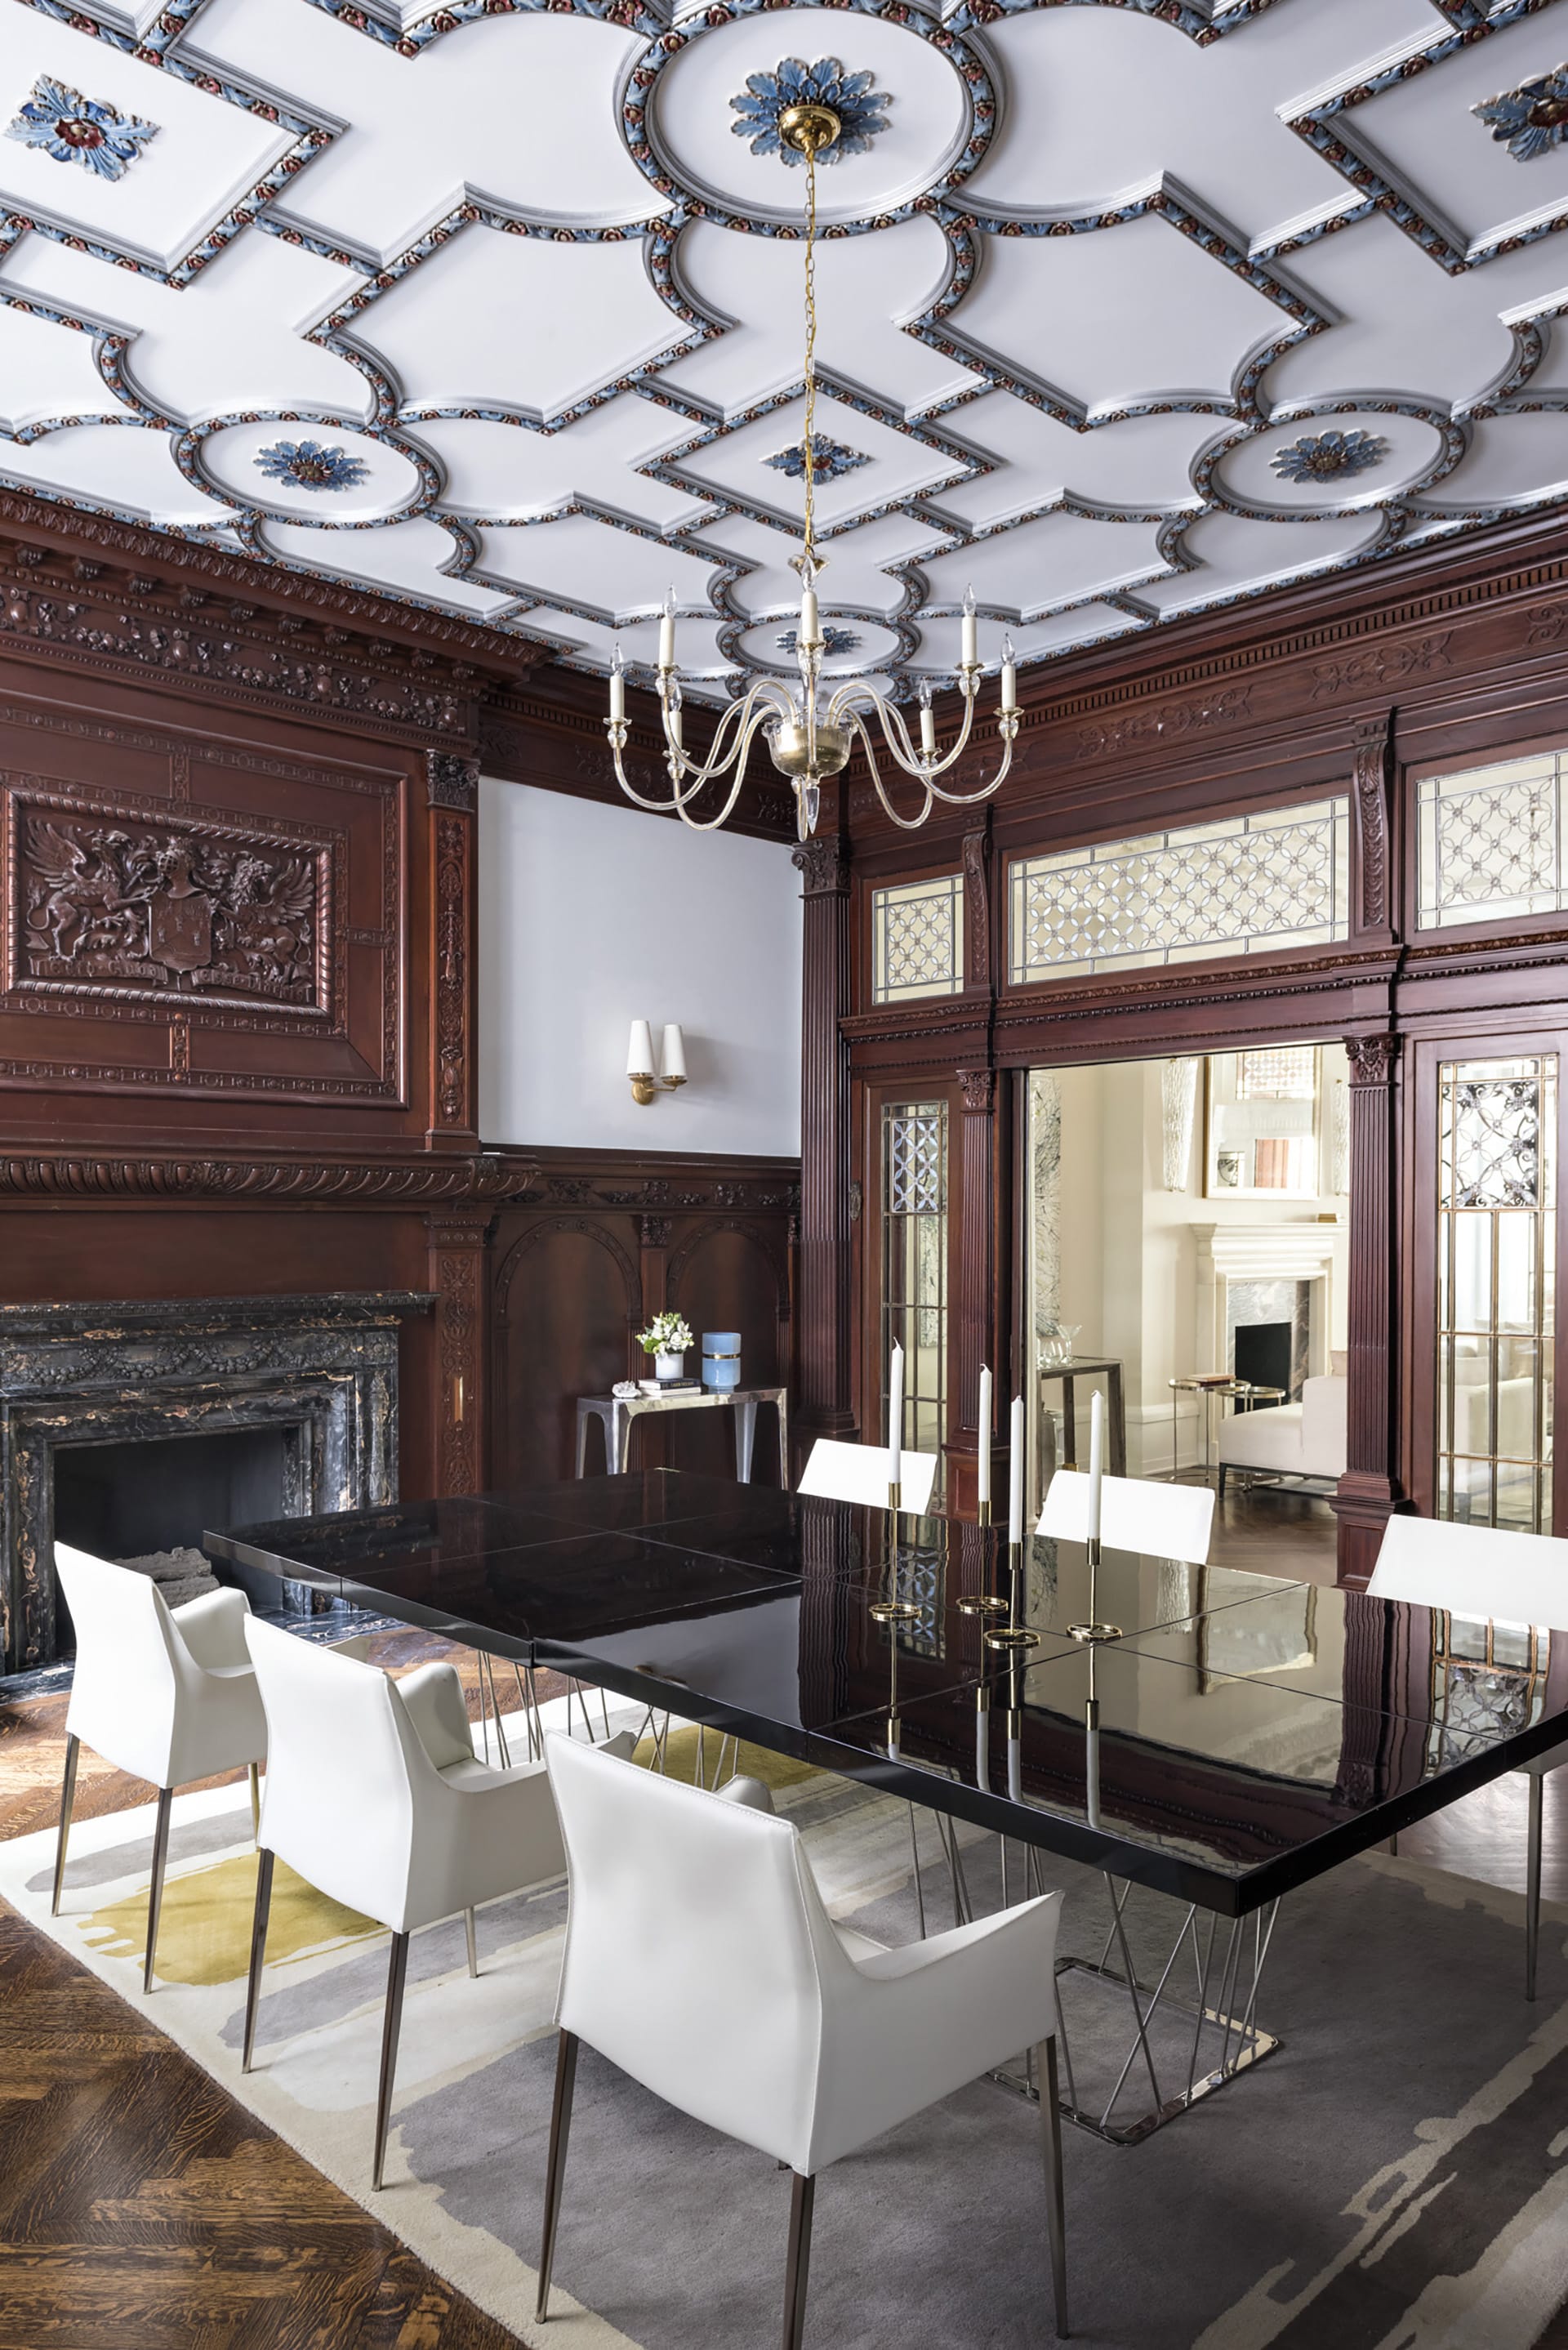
(543, 380)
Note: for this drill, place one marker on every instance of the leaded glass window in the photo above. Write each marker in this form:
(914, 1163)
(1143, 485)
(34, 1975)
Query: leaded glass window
(915, 1261)
(1487, 1679)
(1489, 842)
(917, 939)
(1496, 1186)
(1240, 885)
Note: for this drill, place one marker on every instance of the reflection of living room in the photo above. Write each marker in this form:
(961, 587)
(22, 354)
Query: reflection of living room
(1188, 1227)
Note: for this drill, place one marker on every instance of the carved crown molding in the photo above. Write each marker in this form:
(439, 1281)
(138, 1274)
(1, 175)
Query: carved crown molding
(485, 1176)
(373, 616)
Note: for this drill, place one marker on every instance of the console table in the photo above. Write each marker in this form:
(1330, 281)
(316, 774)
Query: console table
(615, 1414)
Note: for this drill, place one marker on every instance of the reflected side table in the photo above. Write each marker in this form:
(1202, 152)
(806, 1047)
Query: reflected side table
(1244, 1393)
(615, 1414)
(1083, 1366)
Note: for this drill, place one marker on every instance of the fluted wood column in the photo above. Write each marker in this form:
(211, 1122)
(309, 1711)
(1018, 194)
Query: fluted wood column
(1368, 1491)
(824, 1405)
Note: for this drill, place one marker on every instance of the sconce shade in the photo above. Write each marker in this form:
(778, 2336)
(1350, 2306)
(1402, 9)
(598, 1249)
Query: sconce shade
(674, 1059)
(639, 1051)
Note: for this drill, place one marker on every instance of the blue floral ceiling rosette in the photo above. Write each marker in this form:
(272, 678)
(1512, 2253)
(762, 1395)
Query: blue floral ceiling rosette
(1531, 119)
(77, 130)
(1329, 456)
(309, 466)
(794, 83)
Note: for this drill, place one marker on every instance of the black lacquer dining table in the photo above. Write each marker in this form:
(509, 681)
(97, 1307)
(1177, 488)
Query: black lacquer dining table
(1240, 1735)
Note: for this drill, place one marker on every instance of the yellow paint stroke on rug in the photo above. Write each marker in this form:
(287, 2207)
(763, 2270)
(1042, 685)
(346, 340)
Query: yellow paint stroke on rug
(775, 1771)
(204, 1933)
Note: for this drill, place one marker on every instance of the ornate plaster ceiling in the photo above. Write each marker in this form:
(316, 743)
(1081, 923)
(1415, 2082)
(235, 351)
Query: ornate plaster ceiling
(1130, 308)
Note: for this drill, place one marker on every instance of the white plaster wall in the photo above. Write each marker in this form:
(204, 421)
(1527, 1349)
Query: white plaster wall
(590, 917)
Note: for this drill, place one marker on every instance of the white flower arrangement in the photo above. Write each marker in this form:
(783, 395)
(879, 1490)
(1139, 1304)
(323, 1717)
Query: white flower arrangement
(667, 1334)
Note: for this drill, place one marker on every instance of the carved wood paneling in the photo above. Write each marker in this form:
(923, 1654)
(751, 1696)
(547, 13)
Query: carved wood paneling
(451, 962)
(825, 1402)
(458, 1277)
(1373, 749)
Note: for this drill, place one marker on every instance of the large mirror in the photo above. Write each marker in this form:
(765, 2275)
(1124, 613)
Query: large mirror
(1263, 1124)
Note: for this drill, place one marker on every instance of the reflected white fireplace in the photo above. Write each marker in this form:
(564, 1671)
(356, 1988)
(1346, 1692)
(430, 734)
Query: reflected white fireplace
(1279, 1258)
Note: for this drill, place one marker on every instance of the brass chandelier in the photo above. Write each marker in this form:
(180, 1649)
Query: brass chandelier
(809, 737)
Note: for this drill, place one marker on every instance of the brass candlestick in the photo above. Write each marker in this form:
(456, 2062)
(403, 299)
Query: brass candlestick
(984, 1603)
(1094, 1630)
(1012, 1634)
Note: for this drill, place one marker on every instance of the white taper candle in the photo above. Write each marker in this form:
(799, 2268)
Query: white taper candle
(617, 687)
(666, 633)
(1097, 1460)
(1015, 1474)
(970, 655)
(896, 1415)
(982, 1486)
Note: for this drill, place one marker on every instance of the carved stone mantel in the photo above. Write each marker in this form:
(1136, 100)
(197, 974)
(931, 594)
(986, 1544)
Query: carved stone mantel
(324, 1369)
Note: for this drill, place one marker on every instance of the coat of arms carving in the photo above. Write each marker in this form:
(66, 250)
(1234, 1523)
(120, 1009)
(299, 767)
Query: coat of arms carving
(193, 909)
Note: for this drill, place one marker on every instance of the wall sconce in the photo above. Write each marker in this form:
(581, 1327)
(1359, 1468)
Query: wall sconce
(645, 1084)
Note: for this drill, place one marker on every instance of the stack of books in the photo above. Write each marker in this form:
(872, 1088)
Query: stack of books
(670, 1387)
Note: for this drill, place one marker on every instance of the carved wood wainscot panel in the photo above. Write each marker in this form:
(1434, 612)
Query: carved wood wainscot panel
(457, 1270)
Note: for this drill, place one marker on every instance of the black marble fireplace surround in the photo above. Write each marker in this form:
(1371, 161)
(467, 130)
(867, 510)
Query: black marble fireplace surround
(322, 1370)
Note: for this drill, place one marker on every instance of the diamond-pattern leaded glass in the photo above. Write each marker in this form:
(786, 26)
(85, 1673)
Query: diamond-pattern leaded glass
(917, 939)
(1277, 1073)
(915, 1262)
(1489, 842)
(1487, 1679)
(1496, 1148)
(1236, 886)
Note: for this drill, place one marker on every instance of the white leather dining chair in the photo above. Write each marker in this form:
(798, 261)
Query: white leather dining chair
(1487, 1574)
(375, 1797)
(166, 1694)
(699, 1959)
(858, 1472)
(1136, 1513)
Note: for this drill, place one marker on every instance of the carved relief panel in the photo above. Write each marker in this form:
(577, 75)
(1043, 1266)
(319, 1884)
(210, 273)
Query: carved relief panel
(187, 916)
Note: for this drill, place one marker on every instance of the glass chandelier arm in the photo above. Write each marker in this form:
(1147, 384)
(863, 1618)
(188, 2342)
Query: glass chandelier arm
(739, 717)
(712, 823)
(903, 823)
(967, 799)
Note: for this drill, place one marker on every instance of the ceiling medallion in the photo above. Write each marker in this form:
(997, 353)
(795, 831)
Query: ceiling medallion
(835, 639)
(309, 466)
(856, 107)
(810, 737)
(77, 130)
(1329, 456)
(1531, 119)
(829, 459)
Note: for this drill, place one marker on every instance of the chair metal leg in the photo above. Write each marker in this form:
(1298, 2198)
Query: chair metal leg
(555, 2167)
(258, 1954)
(472, 1942)
(67, 1799)
(1532, 1888)
(397, 1969)
(255, 1802)
(155, 1891)
(802, 2194)
(1055, 2214)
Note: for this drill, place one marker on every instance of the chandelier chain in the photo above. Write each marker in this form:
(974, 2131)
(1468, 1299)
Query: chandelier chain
(810, 355)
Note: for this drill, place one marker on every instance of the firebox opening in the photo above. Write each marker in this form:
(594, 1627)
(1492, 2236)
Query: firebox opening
(122, 1501)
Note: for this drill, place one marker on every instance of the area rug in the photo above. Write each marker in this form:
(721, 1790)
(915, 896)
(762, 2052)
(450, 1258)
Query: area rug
(1394, 2177)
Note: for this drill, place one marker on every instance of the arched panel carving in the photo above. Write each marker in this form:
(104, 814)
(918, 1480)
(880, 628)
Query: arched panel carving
(567, 1299)
(726, 1276)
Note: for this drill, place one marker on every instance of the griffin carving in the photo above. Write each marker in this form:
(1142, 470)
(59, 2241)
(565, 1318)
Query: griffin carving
(187, 909)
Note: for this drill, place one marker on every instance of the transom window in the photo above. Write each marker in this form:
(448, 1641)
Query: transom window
(1489, 842)
(917, 939)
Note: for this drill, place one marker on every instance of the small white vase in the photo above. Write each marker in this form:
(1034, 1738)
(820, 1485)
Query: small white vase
(669, 1366)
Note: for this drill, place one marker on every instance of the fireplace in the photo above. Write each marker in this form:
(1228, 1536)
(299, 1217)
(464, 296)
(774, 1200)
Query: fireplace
(133, 1427)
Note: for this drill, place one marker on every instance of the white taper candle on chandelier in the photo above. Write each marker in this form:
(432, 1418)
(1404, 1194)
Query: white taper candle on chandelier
(1015, 1473)
(1097, 1460)
(1009, 676)
(617, 687)
(983, 1482)
(896, 1415)
(810, 629)
(928, 724)
(666, 633)
(970, 653)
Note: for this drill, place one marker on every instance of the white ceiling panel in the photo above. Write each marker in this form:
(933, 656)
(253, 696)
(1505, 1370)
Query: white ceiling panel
(1124, 309)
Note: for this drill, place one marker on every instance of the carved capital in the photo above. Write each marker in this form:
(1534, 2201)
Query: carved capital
(655, 1232)
(825, 865)
(453, 780)
(976, 912)
(979, 1089)
(1372, 1059)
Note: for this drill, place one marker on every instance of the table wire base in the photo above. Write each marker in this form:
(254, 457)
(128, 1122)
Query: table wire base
(1192, 2031)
